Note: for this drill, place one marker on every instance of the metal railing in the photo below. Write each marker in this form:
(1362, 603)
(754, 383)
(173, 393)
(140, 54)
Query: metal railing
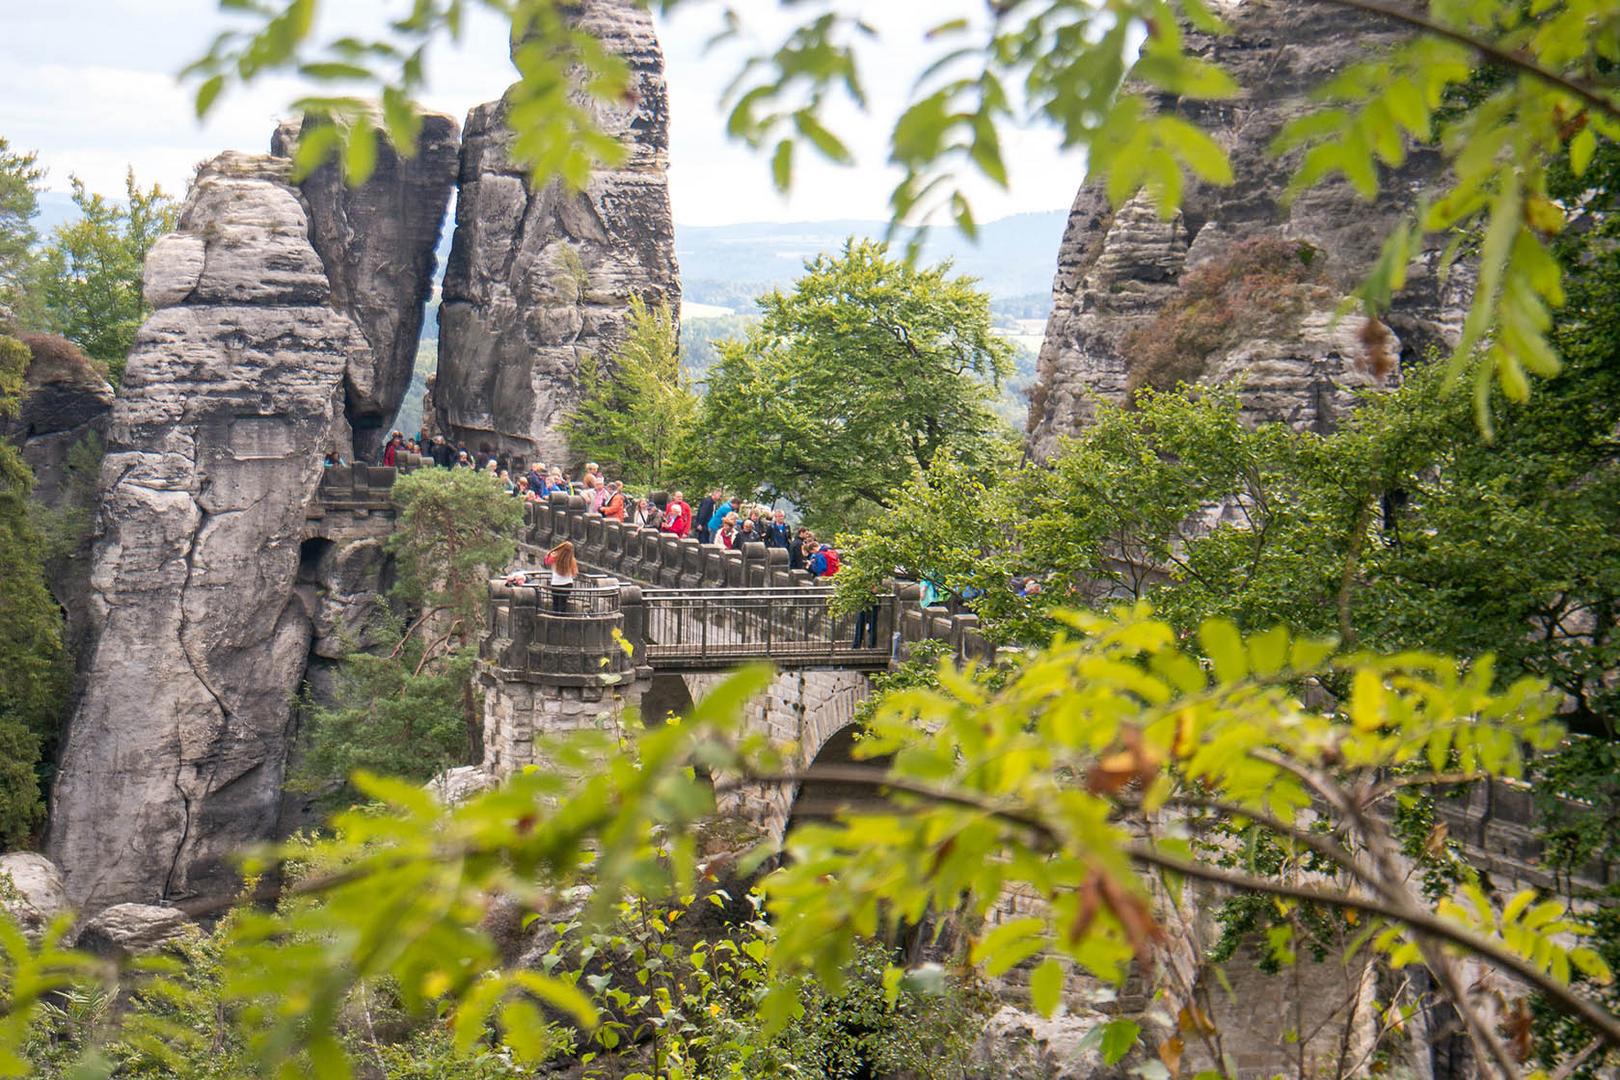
(719, 627)
(582, 598)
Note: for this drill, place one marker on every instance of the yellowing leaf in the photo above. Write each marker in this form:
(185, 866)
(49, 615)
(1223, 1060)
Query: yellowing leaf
(1367, 701)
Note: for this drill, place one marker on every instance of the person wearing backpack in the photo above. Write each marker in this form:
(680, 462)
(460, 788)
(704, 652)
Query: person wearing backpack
(824, 563)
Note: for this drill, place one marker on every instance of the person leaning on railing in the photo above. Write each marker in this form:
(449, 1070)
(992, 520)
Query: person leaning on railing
(564, 566)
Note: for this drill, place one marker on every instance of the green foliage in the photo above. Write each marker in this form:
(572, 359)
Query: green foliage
(1258, 286)
(852, 383)
(1071, 63)
(34, 673)
(1035, 785)
(457, 528)
(92, 269)
(405, 703)
(19, 203)
(636, 410)
(676, 983)
(410, 712)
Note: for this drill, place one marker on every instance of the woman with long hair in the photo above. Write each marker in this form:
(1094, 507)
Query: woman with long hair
(563, 568)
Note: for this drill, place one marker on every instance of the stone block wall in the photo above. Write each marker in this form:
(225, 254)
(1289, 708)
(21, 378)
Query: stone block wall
(804, 708)
(517, 713)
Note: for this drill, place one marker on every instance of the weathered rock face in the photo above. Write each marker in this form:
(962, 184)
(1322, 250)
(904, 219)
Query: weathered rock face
(1019, 1045)
(1117, 270)
(538, 279)
(126, 930)
(233, 391)
(377, 243)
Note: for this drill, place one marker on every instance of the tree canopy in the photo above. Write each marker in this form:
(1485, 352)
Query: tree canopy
(92, 269)
(639, 406)
(852, 383)
(34, 673)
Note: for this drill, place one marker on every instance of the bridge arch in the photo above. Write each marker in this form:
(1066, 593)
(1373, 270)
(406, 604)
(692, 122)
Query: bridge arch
(821, 801)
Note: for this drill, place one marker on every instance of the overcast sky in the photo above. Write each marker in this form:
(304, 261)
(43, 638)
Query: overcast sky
(91, 85)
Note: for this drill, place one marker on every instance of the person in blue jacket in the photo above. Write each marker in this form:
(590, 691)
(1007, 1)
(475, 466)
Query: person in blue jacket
(720, 511)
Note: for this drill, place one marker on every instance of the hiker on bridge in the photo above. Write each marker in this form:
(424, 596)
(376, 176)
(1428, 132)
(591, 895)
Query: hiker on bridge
(677, 515)
(777, 533)
(705, 511)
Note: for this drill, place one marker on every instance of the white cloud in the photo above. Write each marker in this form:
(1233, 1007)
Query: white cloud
(91, 85)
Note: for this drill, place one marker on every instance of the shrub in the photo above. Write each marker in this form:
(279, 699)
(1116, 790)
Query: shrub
(1258, 286)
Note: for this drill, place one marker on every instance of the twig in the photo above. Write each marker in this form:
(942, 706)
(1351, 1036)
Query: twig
(1389, 787)
(1588, 1012)
(1423, 921)
(1330, 851)
(411, 629)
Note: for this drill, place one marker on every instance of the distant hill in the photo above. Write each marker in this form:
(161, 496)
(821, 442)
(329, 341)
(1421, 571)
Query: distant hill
(728, 265)
(55, 208)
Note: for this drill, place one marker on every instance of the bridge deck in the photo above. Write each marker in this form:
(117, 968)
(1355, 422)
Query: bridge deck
(716, 628)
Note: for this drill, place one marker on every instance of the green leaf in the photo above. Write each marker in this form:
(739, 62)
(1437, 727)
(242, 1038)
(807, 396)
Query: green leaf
(562, 996)
(1118, 1038)
(208, 93)
(1268, 652)
(360, 155)
(782, 165)
(524, 1030)
(327, 71)
(831, 147)
(1581, 149)
(1046, 986)
(1224, 646)
(1197, 149)
(1008, 944)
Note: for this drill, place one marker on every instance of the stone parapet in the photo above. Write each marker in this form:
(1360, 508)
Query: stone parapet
(662, 561)
(590, 635)
(1497, 823)
(357, 500)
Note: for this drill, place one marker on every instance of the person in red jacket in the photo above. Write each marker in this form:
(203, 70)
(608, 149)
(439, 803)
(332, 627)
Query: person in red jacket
(677, 515)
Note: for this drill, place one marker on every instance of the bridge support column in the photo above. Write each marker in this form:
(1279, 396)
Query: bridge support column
(546, 671)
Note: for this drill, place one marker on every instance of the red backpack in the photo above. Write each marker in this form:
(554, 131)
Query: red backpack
(832, 562)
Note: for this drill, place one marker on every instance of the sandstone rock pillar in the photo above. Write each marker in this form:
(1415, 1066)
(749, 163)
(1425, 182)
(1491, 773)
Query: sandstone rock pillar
(538, 279)
(233, 392)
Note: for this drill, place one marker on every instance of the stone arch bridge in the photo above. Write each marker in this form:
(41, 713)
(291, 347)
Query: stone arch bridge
(655, 621)
(689, 611)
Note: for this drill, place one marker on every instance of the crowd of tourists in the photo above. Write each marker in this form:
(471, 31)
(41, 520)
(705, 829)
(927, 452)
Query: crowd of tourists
(724, 521)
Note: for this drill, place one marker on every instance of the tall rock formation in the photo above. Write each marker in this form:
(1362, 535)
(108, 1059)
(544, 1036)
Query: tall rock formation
(537, 279)
(233, 392)
(1117, 271)
(377, 244)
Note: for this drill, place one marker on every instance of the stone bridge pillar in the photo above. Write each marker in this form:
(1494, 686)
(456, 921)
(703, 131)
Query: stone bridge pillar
(546, 672)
